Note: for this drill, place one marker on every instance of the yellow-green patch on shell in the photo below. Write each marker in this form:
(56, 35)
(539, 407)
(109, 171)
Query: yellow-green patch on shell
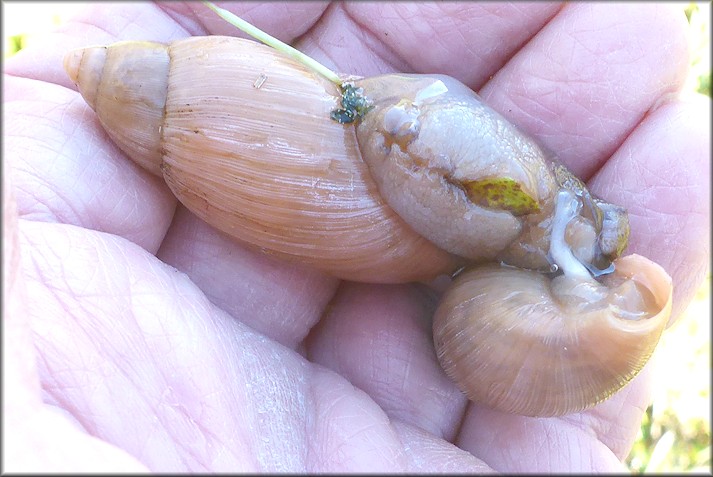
(501, 193)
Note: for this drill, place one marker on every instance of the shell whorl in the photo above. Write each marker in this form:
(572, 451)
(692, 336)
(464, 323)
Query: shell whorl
(262, 162)
(243, 137)
(519, 342)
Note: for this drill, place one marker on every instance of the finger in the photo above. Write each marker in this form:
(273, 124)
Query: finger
(662, 174)
(588, 78)
(283, 20)
(517, 444)
(21, 395)
(41, 439)
(428, 454)
(138, 206)
(129, 349)
(469, 41)
(282, 300)
(504, 92)
(18, 356)
(69, 170)
(66, 170)
(98, 24)
(279, 299)
(379, 338)
(137, 356)
(163, 22)
(597, 440)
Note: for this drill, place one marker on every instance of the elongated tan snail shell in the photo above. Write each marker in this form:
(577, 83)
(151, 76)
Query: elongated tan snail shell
(427, 180)
(263, 164)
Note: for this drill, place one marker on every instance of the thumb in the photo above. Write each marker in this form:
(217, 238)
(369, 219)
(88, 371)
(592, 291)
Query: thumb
(42, 440)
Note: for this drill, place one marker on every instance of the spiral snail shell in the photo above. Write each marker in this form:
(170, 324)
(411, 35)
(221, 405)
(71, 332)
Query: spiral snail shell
(428, 180)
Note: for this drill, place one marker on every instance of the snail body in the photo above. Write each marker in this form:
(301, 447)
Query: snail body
(428, 180)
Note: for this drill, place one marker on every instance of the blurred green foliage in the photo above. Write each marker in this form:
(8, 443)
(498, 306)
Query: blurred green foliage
(704, 84)
(666, 445)
(699, 26)
(668, 442)
(14, 44)
(675, 432)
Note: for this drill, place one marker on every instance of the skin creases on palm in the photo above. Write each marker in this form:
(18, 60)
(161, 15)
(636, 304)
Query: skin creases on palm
(167, 345)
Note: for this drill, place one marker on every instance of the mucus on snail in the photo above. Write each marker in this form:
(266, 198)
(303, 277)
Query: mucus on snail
(545, 319)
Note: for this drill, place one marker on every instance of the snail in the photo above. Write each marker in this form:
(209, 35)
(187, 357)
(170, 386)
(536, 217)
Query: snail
(392, 179)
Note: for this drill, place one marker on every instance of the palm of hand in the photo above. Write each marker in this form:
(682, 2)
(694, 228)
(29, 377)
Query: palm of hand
(185, 351)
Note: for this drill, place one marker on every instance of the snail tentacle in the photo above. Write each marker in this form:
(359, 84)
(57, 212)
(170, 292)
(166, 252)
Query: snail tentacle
(427, 180)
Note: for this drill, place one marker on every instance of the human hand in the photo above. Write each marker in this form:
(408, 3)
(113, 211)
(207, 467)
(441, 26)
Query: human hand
(137, 338)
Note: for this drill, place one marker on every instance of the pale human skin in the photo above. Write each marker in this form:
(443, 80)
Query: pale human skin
(140, 339)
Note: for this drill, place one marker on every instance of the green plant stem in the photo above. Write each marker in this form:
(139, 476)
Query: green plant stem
(273, 42)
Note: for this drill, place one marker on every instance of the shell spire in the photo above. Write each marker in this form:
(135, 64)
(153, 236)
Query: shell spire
(266, 165)
(133, 75)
